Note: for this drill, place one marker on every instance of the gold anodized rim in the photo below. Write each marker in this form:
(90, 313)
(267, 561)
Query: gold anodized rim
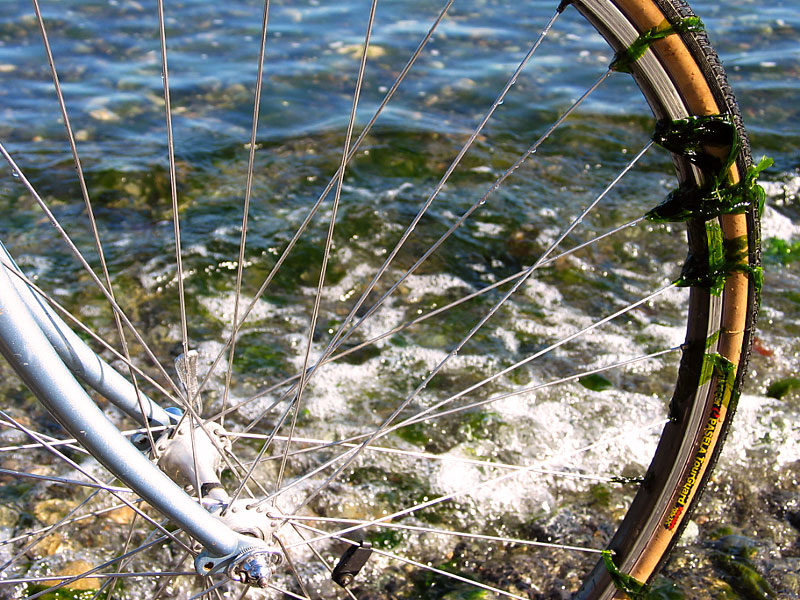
(699, 99)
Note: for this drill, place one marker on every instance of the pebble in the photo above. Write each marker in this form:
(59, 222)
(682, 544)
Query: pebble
(76, 567)
(356, 50)
(53, 510)
(121, 516)
(690, 534)
(47, 546)
(8, 516)
(104, 114)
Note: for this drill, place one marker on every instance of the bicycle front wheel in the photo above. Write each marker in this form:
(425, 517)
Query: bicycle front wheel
(465, 331)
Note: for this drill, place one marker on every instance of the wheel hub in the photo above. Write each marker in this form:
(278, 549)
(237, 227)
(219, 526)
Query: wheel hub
(255, 568)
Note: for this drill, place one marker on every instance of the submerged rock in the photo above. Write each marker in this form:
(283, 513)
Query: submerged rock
(78, 567)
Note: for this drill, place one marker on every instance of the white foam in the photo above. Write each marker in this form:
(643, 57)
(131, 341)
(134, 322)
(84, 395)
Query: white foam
(336, 390)
(781, 192)
(510, 496)
(488, 229)
(774, 224)
(222, 308)
(420, 285)
(762, 427)
(547, 296)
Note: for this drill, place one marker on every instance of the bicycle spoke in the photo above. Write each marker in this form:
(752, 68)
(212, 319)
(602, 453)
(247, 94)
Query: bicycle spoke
(441, 572)
(322, 445)
(292, 568)
(38, 535)
(244, 593)
(45, 578)
(194, 418)
(488, 482)
(341, 336)
(425, 567)
(550, 348)
(79, 256)
(428, 414)
(72, 463)
(296, 401)
(90, 211)
(309, 475)
(262, 451)
(425, 415)
(198, 489)
(163, 587)
(286, 592)
(446, 176)
(246, 208)
(71, 443)
(209, 589)
(66, 520)
(112, 584)
(320, 558)
(124, 358)
(91, 572)
(270, 408)
(330, 185)
(173, 180)
(434, 530)
(64, 481)
(423, 317)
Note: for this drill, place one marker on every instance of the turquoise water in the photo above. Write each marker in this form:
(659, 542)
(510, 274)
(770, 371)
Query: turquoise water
(109, 64)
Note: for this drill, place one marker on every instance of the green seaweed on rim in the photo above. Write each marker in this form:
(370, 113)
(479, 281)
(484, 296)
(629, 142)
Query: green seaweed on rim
(711, 201)
(624, 59)
(635, 589)
(712, 143)
(710, 270)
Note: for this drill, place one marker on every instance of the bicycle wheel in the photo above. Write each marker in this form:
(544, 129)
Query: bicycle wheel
(478, 379)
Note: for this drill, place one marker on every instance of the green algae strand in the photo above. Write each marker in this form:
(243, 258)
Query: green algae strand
(624, 60)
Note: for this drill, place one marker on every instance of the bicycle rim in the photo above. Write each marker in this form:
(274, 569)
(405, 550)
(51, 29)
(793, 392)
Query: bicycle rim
(454, 501)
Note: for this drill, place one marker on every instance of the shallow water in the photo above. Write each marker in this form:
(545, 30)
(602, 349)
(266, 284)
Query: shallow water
(111, 77)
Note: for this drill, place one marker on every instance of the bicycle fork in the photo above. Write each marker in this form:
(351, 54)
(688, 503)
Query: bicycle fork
(47, 355)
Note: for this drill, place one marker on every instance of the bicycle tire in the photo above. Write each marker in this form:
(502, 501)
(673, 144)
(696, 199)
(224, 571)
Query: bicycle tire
(704, 95)
(683, 77)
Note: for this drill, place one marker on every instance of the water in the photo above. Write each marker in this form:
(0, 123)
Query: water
(109, 64)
